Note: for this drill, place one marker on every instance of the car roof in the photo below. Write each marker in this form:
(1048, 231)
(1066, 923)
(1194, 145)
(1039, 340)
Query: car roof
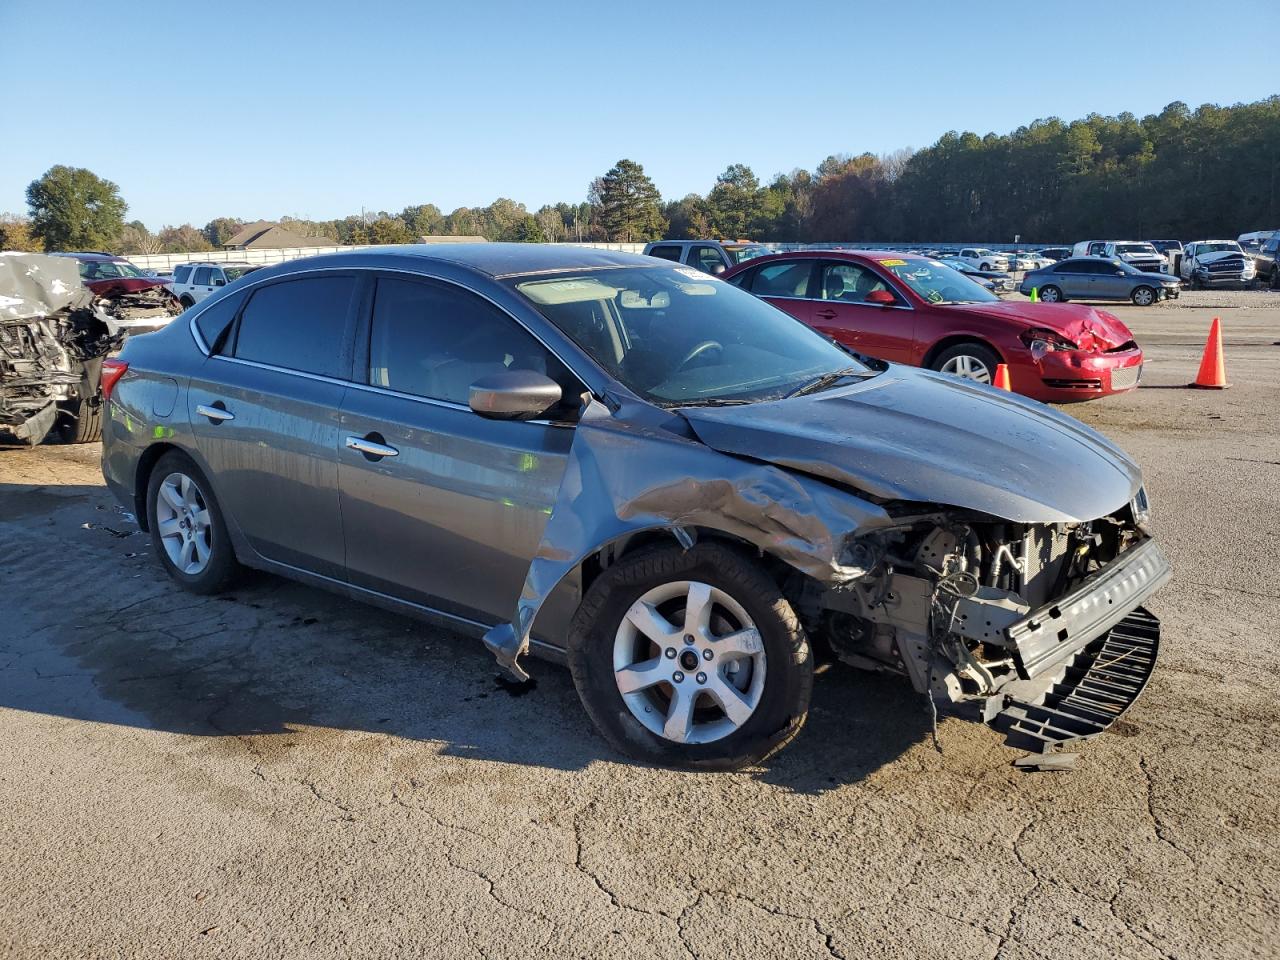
(91, 256)
(497, 260)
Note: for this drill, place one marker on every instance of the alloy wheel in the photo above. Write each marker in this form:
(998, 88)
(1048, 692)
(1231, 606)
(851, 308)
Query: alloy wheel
(689, 662)
(184, 524)
(971, 368)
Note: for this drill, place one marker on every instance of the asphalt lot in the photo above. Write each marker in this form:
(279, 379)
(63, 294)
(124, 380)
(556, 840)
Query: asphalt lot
(280, 773)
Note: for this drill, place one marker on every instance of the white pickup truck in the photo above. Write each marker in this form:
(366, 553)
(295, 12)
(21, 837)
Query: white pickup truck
(1137, 253)
(1216, 263)
(984, 259)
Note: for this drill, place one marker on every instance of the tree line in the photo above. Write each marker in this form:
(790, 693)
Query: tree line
(1186, 174)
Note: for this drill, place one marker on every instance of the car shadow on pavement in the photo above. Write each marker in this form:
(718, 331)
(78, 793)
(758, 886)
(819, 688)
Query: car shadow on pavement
(274, 657)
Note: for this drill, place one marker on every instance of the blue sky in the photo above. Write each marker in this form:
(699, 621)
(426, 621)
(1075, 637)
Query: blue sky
(319, 109)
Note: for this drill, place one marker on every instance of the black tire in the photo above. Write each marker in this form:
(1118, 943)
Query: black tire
(222, 567)
(80, 421)
(186, 301)
(979, 351)
(1144, 292)
(784, 701)
(1054, 294)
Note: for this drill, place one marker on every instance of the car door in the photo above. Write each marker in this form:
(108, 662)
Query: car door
(1072, 278)
(841, 311)
(786, 285)
(201, 283)
(265, 407)
(451, 512)
(1111, 282)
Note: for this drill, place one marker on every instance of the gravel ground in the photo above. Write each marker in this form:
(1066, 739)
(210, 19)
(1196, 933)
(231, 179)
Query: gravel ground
(280, 773)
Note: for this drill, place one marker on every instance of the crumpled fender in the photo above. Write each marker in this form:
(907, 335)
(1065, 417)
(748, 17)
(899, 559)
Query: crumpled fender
(623, 477)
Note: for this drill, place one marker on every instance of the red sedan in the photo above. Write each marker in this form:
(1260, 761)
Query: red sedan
(916, 310)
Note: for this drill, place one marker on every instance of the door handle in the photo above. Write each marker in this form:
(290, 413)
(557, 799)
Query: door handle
(827, 314)
(370, 447)
(215, 413)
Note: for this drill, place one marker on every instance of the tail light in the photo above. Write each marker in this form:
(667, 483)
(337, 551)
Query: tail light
(112, 370)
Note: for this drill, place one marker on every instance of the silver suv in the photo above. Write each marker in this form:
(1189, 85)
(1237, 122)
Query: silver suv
(192, 282)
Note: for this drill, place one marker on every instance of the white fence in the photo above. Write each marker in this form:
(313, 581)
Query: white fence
(164, 262)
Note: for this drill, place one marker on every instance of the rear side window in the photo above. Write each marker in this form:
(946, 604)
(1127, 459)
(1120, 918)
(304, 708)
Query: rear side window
(787, 279)
(435, 341)
(668, 252)
(298, 324)
(202, 277)
(180, 275)
(213, 321)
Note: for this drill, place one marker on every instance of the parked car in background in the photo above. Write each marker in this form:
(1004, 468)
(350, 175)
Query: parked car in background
(984, 259)
(919, 311)
(137, 302)
(1217, 263)
(1137, 253)
(991, 279)
(1253, 242)
(1099, 278)
(1264, 262)
(669, 485)
(1054, 254)
(709, 256)
(1165, 247)
(192, 282)
(1030, 260)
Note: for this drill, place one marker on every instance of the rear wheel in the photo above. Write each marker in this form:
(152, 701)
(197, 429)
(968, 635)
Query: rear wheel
(1143, 297)
(972, 361)
(691, 658)
(1051, 294)
(80, 421)
(187, 529)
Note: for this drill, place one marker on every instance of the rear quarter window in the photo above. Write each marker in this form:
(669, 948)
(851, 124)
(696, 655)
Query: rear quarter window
(213, 320)
(298, 325)
(666, 252)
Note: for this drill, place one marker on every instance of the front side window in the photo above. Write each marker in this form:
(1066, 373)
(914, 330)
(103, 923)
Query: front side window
(849, 282)
(678, 338)
(298, 324)
(787, 279)
(432, 340)
(705, 258)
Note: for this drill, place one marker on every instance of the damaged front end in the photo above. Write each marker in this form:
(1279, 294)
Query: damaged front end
(1036, 628)
(53, 336)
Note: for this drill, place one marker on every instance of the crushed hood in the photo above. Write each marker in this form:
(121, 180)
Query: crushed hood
(1072, 320)
(909, 434)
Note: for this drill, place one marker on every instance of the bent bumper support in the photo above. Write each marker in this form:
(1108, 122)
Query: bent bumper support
(1099, 684)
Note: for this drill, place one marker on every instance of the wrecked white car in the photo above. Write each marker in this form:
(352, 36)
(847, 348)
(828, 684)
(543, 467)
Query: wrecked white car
(649, 474)
(54, 333)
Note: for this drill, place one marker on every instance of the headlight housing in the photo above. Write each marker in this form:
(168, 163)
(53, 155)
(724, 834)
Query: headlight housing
(1040, 342)
(1140, 507)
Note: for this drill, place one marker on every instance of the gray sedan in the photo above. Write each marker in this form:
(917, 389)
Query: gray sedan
(641, 471)
(1098, 278)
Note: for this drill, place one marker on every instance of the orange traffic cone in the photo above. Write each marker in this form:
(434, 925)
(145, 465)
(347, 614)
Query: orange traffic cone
(1001, 380)
(1213, 371)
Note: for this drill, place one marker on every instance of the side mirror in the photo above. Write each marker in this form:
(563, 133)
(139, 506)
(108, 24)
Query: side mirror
(881, 298)
(219, 283)
(514, 395)
(717, 269)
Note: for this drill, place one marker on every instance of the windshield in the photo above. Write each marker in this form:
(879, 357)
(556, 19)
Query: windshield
(1131, 248)
(235, 273)
(1223, 246)
(937, 282)
(676, 336)
(108, 270)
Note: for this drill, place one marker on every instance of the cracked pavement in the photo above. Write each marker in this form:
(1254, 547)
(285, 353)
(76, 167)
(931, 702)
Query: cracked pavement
(281, 773)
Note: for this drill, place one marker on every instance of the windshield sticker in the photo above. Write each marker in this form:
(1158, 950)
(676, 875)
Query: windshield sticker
(893, 263)
(693, 274)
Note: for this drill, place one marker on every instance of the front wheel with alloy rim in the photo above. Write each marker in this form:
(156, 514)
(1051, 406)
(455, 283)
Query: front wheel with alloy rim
(1143, 297)
(691, 658)
(972, 361)
(187, 529)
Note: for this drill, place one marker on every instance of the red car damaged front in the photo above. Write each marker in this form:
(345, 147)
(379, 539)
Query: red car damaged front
(1063, 352)
(919, 311)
